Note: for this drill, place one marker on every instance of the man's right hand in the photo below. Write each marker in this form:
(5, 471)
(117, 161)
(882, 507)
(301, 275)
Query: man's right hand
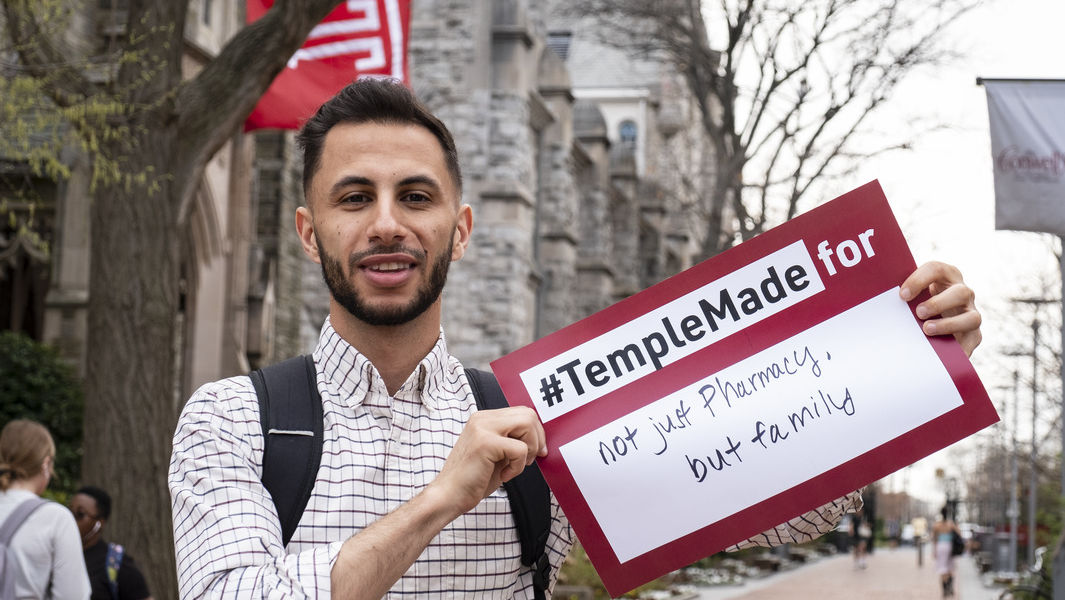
(495, 446)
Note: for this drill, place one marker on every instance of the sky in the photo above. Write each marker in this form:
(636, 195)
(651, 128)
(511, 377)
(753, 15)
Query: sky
(943, 196)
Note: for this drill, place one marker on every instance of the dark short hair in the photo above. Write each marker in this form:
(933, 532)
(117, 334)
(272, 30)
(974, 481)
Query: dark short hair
(102, 498)
(372, 100)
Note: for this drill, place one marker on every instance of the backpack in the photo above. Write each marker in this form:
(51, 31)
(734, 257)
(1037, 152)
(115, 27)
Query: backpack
(7, 554)
(957, 544)
(114, 562)
(290, 412)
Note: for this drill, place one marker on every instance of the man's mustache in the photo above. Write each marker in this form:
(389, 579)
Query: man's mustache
(356, 258)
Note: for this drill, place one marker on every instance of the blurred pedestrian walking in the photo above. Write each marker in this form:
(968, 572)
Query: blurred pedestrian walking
(920, 531)
(862, 534)
(943, 532)
(45, 546)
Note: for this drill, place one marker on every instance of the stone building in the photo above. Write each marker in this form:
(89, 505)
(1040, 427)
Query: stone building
(580, 164)
(583, 167)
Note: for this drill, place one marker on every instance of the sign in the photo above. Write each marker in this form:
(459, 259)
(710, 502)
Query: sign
(359, 38)
(743, 392)
(1027, 120)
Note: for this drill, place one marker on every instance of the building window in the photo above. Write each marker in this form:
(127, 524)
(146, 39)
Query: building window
(206, 13)
(627, 133)
(559, 41)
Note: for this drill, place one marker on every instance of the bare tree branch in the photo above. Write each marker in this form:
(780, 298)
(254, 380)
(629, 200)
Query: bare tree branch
(210, 108)
(789, 89)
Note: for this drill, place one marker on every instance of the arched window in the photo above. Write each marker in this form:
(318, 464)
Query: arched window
(627, 132)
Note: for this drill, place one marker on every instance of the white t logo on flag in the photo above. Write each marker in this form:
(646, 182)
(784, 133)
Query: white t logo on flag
(365, 18)
(359, 38)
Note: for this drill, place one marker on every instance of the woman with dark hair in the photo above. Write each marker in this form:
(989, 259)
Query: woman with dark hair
(943, 532)
(46, 547)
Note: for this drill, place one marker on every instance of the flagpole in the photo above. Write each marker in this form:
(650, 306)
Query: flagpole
(1011, 221)
(983, 80)
(1061, 260)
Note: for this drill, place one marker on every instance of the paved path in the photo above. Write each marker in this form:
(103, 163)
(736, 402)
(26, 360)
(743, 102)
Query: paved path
(890, 575)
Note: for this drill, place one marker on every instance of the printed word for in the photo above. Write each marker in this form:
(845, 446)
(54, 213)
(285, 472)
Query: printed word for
(847, 252)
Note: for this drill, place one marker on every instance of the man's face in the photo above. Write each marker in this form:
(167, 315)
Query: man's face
(343, 289)
(384, 220)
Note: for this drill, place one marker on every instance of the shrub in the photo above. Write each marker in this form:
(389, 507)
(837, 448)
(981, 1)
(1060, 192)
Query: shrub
(36, 384)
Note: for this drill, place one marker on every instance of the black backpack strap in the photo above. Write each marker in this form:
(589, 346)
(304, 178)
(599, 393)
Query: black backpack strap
(530, 498)
(290, 410)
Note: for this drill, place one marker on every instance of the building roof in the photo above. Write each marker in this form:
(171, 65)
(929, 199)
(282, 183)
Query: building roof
(596, 65)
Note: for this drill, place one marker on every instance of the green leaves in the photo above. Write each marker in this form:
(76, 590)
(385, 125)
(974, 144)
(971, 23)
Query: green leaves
(35, 383)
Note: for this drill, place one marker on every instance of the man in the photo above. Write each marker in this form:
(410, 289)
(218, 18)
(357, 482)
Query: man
(407, 501)
(397, 481)
(112, 573)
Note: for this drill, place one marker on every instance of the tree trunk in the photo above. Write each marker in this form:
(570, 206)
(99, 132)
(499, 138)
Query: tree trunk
(130, 411)
(137, 238)
(718, 233)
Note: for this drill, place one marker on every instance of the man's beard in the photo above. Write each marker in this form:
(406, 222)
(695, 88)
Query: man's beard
(344, 292)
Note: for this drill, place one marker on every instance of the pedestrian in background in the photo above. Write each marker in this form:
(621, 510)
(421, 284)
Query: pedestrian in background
(112, 573)
(920, 530)
(943, 532)
(47, 554)
(862, 534)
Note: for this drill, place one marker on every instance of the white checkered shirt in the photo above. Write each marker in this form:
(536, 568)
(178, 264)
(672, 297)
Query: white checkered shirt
(805, 527)
(379, 451)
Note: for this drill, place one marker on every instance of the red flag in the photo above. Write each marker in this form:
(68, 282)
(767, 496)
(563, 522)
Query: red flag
(359, 38)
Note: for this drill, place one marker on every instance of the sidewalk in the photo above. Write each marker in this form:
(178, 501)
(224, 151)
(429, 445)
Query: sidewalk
(891, 574)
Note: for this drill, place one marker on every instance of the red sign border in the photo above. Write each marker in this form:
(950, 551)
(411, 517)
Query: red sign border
(974, 414)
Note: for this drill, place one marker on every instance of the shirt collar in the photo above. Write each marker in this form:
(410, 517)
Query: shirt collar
(351, 376)
(17, 495)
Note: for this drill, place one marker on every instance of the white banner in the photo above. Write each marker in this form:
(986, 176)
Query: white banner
(1028, 153)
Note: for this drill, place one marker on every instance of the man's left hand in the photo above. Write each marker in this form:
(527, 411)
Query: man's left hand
(951, 309)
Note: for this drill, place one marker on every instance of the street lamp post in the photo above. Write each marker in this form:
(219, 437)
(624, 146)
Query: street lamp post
(1033, 479)
(1015, 509)
(951, 489)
